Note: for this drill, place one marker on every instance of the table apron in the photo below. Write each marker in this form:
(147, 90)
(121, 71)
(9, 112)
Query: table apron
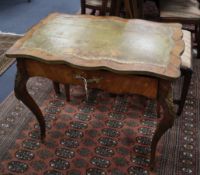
(100, 79)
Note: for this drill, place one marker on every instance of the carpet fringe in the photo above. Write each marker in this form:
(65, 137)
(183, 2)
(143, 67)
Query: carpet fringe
(9, 33)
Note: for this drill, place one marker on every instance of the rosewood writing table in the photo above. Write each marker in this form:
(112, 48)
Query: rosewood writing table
(112, 54)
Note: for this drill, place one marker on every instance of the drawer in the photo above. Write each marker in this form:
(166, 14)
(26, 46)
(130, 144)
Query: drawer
(101, 79)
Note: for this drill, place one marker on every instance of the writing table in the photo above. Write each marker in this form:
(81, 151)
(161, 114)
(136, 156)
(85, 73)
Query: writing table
(113, 54)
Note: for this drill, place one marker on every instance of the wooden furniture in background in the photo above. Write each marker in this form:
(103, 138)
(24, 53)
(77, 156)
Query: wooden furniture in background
(185, 12)
(143, 56)
(186, 70)
(132, 8)
(155, 1)
(102, 6)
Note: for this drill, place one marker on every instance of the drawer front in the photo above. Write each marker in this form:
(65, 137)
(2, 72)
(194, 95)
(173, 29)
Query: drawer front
(101, 79)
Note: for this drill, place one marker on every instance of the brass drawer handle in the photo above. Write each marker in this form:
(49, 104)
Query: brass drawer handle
(93, 80)
(86, 81)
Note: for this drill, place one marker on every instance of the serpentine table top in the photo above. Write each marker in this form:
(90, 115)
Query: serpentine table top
(120, 45)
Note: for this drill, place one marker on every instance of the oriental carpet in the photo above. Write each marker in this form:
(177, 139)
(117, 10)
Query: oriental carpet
(106, 135)
(6, 41)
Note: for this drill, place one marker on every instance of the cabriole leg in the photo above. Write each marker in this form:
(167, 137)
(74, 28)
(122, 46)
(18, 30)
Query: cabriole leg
(22, 94)
(166, 120)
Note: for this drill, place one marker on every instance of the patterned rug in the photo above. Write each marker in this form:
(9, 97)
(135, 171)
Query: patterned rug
(13, 114)
(106, 135)
(6, 41)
